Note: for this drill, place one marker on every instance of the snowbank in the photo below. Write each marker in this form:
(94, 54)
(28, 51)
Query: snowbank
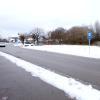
(78, 50)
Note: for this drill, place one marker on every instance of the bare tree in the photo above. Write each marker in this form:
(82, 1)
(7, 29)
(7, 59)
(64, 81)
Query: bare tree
(22, 38)
(97, 29)
(57, 35)
(36, 34)
(0, 38)
(76, 35)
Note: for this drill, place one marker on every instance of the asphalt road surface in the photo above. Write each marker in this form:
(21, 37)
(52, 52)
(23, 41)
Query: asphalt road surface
(83, 69)
(17, 84)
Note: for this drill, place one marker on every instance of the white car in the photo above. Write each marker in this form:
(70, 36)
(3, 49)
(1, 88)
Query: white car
(2, 44)
(28, 44)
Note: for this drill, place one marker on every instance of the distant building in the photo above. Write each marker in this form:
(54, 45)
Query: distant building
(13, 39)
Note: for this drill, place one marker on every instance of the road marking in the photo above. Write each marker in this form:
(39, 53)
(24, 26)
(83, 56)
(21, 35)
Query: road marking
(70, 86)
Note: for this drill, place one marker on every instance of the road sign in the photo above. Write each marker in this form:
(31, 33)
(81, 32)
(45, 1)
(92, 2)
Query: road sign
(89, 35)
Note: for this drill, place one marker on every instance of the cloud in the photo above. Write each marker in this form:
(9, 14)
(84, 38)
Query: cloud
(22, 15)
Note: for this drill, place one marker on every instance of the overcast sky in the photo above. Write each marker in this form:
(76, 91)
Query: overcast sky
(23, 15)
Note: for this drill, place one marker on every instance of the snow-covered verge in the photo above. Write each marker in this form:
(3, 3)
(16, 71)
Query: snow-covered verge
(78, 50)
(70, 86)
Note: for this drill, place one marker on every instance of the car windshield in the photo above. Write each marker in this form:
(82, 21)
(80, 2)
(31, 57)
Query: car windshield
(27, 43)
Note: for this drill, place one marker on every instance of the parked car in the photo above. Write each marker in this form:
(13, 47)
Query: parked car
(27, 44)
(2, 44)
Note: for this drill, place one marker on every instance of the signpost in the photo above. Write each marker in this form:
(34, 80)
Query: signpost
(89, 37)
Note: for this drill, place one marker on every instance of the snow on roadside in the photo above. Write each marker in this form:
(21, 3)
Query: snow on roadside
(70, 86)
(78, 50)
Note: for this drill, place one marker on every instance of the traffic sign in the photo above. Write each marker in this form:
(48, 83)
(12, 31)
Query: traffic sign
(89, 35)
